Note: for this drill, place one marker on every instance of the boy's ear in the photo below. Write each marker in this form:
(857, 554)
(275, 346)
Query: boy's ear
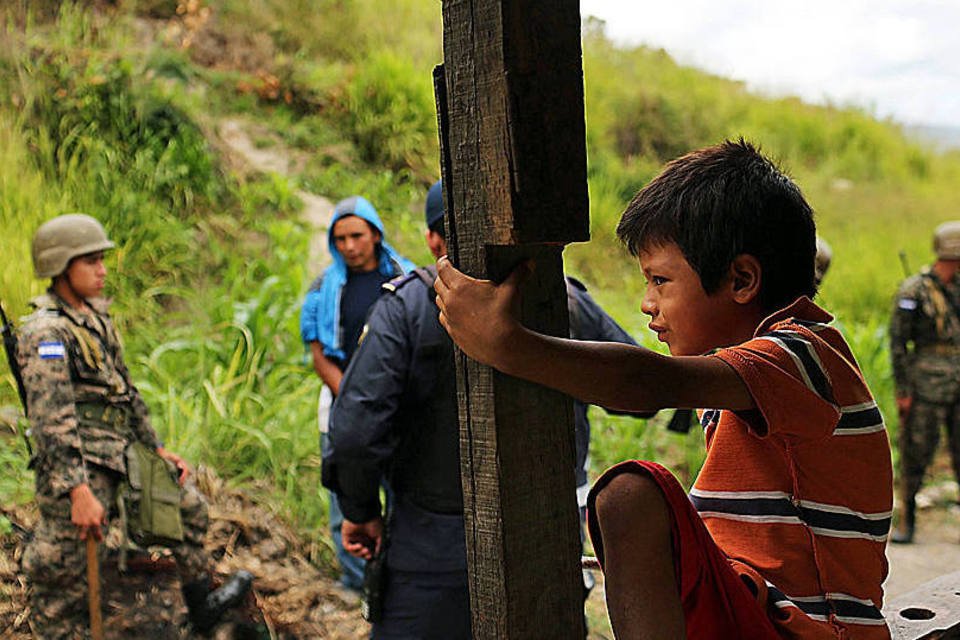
(745, 277)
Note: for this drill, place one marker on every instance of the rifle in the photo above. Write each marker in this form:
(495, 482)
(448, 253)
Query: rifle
(905, 264)
(10, 346)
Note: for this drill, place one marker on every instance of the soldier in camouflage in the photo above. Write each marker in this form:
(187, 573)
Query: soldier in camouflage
(84, 410)
(925, 349)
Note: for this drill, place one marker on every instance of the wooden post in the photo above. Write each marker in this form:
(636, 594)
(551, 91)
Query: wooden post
(510, 103)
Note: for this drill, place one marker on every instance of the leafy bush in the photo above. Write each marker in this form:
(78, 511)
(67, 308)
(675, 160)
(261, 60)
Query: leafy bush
(390, 115)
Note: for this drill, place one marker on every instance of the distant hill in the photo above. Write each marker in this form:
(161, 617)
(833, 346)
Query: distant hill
(939, 137)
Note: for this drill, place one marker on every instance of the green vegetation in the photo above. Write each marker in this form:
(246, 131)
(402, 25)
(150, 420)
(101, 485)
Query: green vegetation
(114, 111)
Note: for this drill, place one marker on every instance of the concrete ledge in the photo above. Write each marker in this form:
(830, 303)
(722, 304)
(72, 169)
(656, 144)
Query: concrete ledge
(929, 612)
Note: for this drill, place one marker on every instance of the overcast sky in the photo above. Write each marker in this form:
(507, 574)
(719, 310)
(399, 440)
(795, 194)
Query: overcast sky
(898, 58)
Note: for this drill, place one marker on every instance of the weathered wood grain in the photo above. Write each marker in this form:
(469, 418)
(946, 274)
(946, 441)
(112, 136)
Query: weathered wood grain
(510, 105)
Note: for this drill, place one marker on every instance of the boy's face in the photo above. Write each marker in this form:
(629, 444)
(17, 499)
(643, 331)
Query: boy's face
(681, 312)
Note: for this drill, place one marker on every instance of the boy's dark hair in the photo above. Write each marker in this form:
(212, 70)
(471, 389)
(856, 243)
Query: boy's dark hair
(722, 201)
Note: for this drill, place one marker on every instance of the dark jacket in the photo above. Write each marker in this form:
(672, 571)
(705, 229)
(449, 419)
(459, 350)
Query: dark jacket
(396, 417)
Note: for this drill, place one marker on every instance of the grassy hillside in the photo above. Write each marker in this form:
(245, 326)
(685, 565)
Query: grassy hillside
(114, 111)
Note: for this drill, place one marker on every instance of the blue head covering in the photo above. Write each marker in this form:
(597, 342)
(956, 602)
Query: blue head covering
(320, 315)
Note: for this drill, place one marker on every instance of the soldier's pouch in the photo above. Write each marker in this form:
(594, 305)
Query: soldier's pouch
(149, 499)
(936, 381)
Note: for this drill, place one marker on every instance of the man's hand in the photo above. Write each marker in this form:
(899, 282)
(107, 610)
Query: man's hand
(86, 512)
(328, 371)
(480, 316)
(364, 539)
(182, 468)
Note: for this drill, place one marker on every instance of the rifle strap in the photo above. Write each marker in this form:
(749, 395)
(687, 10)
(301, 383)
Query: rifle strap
(948, 308)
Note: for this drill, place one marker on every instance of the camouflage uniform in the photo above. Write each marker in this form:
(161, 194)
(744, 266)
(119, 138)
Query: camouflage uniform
(83, 410)
(925, 349)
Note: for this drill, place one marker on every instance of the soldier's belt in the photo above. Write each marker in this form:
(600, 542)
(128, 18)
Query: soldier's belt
(939, 350)
(109, 416)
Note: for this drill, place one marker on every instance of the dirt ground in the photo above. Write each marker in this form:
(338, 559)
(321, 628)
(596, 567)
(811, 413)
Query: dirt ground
(291, 598)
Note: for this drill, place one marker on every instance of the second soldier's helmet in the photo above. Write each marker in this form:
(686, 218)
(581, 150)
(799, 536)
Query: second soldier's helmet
(64, 238)
(822, 260)
(946, 241)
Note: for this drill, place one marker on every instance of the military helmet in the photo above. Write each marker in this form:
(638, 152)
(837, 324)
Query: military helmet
(822, 260)
(62, 239)
(946, 240)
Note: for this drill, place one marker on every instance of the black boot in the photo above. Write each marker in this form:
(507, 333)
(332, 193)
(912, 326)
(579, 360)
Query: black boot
(206, 606)
(904, 534)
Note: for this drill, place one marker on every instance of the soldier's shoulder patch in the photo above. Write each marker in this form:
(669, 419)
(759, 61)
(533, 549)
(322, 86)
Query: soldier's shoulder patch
(51, 350)
(398, 282)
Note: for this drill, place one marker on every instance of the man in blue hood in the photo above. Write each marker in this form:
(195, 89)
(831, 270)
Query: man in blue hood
(333, 315)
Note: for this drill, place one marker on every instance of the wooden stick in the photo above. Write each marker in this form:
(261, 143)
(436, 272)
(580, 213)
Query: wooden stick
(93, 588)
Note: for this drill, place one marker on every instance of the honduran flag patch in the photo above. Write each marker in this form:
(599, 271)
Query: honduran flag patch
(907, 304)
(52, 351)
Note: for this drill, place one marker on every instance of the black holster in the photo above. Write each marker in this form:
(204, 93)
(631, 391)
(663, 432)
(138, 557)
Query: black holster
(375, 575)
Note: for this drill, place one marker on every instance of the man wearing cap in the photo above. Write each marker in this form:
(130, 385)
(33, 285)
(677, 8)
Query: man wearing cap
(925, 350)
(333, 316)
(84, 411)
(397, 414)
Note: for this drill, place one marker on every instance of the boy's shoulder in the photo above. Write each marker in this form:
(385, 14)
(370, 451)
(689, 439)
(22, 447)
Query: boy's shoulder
(802, 313)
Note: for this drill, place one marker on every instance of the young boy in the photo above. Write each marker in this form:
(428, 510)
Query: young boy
(783, 533)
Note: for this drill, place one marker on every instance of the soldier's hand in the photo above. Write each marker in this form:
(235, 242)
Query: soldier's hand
(86, 512)
(480, 315)
(183, 470)
(362, 539)
(903, 405)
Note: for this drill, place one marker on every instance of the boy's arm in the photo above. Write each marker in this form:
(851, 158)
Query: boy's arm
(481, 317)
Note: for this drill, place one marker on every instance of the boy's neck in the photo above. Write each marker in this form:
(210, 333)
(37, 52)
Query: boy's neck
(751, 322)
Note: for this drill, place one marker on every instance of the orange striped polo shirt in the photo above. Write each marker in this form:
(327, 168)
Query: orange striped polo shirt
(798, 491)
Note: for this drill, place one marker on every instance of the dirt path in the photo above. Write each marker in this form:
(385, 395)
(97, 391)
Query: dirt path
(241, 138)
(291, 598)
(936, 547)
